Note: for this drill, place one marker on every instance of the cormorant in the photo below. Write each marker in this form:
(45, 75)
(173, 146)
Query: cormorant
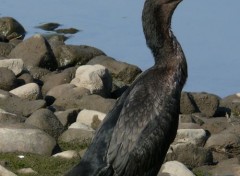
(135, 135)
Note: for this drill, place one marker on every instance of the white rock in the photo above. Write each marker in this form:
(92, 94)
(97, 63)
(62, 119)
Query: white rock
(30, 91)
(78, 125)
(16, 65)
(5, 172)
(87, 116)
(95, 78)
(175, 168)
(67, 154)
(27, 171)
(192, 136)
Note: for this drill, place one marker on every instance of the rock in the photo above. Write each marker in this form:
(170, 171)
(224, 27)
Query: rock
(227, 167)
(82, 126)
(187, 104)
(56, 79)
(187, 118)
(47, 121)
(11, 28)
(67, 31)
(27, 171)
(7, 79)
(231, 105)
(24, 78)
(29, 91)
(206, 103)
(196, 137)
(70, 55)
(175, 168)
(227, 141)
(5, 172)
(13, 104)
(35, 52)
(90, 118)
(119, 70)
(70, 154)
(95, 78)
(76, 135)
(97, 103)
(215, 125)
(25, 138)
(5, 49)
(189, 126)
(189, 154)
(66, 96)
(16, 65)
(8, 118)
(48, 26)
(37, 72)
(67, 117)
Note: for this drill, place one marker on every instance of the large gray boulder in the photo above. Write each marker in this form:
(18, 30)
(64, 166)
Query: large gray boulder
(70, 55)
(119, 70)
(13, 104)
(35, 52)
(25, 138)
(47, 121)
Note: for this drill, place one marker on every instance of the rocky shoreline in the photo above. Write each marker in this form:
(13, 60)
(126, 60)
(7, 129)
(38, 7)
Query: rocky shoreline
(53, 93)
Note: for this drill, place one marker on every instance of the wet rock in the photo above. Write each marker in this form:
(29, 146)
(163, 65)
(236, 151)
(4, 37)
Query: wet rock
(7, 79)
(48, 26)
(206, 103)
(58, 78)
(71, 55)
(175, 168)
(189, 154)
(11, 28)
(29, 91)
(70, 154)
(119, 70)
(90, 118)
(67, 31)
(35, 52)
(5, 49)
(95, 78)
(25, 138)
(47, 121)
(5, 172)
(13, 104)
(67, 117)
(9, 118)
(16, 65)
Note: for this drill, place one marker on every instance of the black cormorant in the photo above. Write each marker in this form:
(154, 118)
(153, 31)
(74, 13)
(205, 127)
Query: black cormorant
(135, 135)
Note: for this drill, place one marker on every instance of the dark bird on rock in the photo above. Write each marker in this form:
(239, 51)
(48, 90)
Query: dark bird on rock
(135, 135)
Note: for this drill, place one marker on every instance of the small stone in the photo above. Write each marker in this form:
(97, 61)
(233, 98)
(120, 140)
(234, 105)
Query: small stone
(70, 154)
(27, 171)
(16, 65)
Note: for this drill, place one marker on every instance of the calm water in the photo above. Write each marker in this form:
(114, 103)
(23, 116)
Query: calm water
(208, 31)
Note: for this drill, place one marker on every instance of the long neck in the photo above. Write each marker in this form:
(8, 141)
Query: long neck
(157, 29)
